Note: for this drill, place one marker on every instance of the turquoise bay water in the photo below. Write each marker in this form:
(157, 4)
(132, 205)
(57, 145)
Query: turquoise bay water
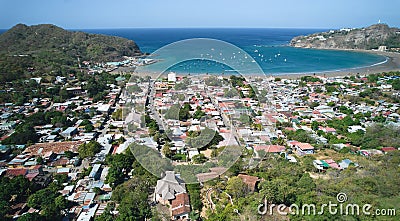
(269, 48)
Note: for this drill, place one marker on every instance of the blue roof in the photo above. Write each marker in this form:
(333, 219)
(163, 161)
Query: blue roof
(346, 161)
(5, 115)
(56, 130)
(21, 146)
(95, 170)
(69, 130)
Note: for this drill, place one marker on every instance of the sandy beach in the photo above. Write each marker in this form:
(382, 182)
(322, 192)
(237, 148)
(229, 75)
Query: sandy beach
(392, 63)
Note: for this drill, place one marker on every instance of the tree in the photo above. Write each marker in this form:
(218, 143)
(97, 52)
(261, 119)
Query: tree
(117, 115)
(396, 84)
(97, 190)
(205, 139)
(17, 189)
(135, 89)
(120, 165)
(69, 154)
(134, 207)
(345, 110)
(199, 158)
(39, 160)
(22, 136)
(213, 81)
(85, 122)
(89, 128)
(166, 151)
(30, 217)
(121, 140)
(194, 190)
(314, 125)
(236, 187)
(184, 112)
(49, 201)
(173, 112)
(132, 197)
(380, 135)
(299, 135)
(89, 149)
(61, 202)
(330, 89)
(183, 85)
(229, 93)
(331, 104)
(245, 119)
(199, 113)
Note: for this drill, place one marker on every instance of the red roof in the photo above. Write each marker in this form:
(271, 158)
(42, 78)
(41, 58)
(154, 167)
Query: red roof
(180, 205)
(387, 113)
(330, 129)
(327, 129)
(223, 130)
(251, 181)
(4, 137)
(388, 149)
(13, 172)
(30, 176)
(305, 146)
(270, 148)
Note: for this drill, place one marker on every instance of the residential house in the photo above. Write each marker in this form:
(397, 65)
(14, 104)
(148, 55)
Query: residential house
(270, 148)
(386, 150)
(180, 207)
(250, 181)
(95, 172)
(302, 148)
(69, 132)
(8, 125)
(168, 187)
(328, 129)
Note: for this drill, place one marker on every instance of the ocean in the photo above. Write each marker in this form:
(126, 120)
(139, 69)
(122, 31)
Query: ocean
(268, 46)
(262, 44)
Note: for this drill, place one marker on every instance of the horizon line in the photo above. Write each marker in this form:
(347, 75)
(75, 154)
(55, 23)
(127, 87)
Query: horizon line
(193, 27)
(180, 27)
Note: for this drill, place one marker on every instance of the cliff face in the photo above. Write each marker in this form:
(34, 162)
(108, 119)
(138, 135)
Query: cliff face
(53, 41)
(364, 38)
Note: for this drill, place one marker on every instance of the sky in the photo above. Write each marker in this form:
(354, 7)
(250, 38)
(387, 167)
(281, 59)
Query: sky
(85, 14)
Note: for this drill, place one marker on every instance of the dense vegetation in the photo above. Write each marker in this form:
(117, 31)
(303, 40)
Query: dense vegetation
(361, 38)
(48, 48)
(131, 195)
(205, 139)
(374, 181)
(23, 91)
(25, 133)
(89, 149)
(19, 190)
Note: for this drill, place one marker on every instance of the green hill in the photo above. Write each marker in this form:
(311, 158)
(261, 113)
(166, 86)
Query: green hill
(48, 49)
(360, 38)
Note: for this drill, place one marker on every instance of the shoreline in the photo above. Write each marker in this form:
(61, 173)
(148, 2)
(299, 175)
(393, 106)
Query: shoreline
(392, 63)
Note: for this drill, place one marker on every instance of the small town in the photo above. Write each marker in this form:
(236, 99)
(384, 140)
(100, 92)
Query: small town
(200, 110)
(76, 145)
